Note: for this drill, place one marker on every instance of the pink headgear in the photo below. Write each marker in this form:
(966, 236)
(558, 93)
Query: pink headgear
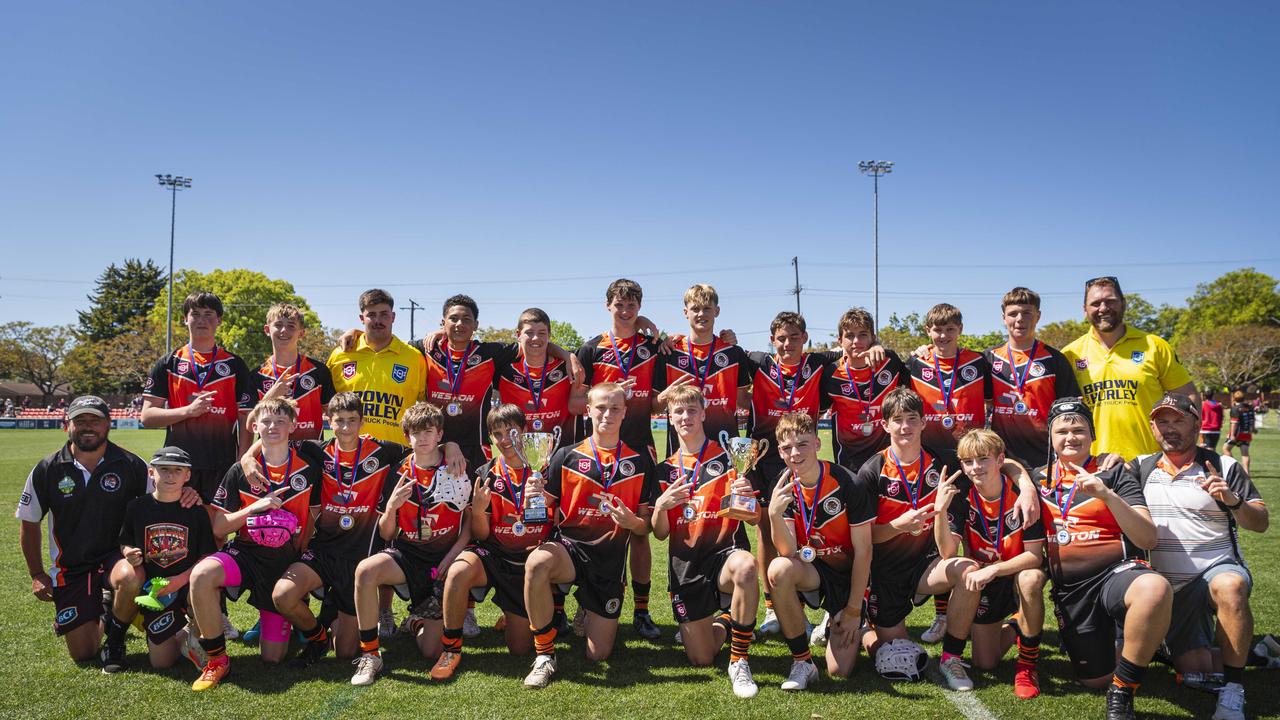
(273, 528)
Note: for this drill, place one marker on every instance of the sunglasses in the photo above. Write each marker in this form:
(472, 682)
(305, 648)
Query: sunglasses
(1105, 279)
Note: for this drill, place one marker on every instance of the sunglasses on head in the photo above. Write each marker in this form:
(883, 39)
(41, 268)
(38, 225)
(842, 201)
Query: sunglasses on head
(1105, 279)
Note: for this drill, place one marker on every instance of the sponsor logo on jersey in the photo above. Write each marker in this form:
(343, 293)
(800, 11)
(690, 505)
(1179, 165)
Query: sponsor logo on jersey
(160, 624)
(1138, 357)
(26, 499)
(349, 370)
(399, 372)
(65, 616)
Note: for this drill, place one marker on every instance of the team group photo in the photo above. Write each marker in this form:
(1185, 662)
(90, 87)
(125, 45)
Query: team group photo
(487, 445)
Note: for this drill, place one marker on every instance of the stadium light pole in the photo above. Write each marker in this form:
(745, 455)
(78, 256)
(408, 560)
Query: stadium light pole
(875, 168)
(173, 185)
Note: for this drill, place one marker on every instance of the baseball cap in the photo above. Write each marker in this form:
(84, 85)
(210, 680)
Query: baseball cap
(1178, 403)
(175, 456)
(88, 404)
(1070, 406)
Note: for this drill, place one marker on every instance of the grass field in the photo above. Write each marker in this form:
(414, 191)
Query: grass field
(642, 680)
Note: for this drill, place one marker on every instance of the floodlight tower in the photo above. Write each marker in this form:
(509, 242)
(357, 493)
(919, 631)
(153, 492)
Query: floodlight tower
(875, 168)
(173, 184)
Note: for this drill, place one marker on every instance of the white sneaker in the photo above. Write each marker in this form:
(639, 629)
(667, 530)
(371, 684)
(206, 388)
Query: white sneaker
(953, 672)
(819, 634)
(544, 668)
(802, 673)
(192, 650)
(470, 628)
(386, 625)
(368, 665)
(936, 630)
(1230, 703)
(229, 631)
(744, 686)
(770, 624)
(580, 623)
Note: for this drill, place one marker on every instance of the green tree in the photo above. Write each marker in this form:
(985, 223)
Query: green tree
(979, 343)
(122, 294)
(564, 335)
(1240, 297)
(1059, 334)
(245, 295)
(1233, 356)
(37, 354)
(1162, 320)
(903, 334)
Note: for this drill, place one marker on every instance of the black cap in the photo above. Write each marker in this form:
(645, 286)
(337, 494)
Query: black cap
(1070, 406)
(88, 405)
(174, 456)
(1178, 403)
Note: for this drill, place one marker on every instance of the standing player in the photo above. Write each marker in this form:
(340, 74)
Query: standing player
(855, 386)
(198, 393)
(706, 569)
(822, 517)
(1210, 421)
(1241, 432)
(273, 525)
(1027, 376)
(1098, 529)
(537, 382)
(425, 533)
(310, 382)
(1008, 552)
(603, 491)
(84, 488)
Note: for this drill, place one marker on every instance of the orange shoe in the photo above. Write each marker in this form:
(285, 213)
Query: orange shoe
(446, 665)
(501, 624)
(1026, 682)
(213, 673)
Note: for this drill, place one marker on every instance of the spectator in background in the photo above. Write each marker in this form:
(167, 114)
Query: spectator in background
(1242, 423)
(1210, 421)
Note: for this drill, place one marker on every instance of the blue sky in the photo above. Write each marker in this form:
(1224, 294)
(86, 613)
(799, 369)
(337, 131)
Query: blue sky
(526, 153)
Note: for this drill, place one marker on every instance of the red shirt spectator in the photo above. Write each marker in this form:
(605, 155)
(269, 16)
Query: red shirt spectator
(1210, 416)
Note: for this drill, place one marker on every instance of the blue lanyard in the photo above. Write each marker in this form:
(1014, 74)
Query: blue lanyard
(355, 468)
(625, 367)
(607, 480)
(297, 368)
(542, 381)
(976, 499)
(795, 380)
(517, 496)
(288, 468)
(697, 465)
(946, 389)
(1019, 378)
(455, 374)
(701, 375)
(807, 512)
(1064, 509)
(201, 377)
(913, 490)
(863, 395)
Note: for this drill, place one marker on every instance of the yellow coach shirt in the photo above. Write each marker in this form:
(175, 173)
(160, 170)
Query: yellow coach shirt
(1122, 384)
(388, 381)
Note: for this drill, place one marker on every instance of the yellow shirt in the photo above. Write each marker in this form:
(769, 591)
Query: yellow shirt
(1122, 384)
(388, 380)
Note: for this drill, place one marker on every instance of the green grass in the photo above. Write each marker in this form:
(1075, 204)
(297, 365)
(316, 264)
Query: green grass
(642, 680)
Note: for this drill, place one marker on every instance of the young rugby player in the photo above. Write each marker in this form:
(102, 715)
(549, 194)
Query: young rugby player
(821, 523)
(603, 491)
(854, 387)
(538, 383)
(310, 382)
(706, 569)
(1240, 433)
(425, 535)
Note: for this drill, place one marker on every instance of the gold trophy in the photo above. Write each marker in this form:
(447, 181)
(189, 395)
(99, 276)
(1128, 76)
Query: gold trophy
(535, 451)
(744, 453)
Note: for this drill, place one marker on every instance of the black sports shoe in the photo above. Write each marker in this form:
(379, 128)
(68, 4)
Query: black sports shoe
(1120, 703)
(645, 626)
(113, 659)
(310, 654)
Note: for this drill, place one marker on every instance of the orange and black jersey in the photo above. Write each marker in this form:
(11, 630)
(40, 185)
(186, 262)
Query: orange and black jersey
(696, 530)
(459, 381)
(901, 487)
(209, 439)
(312, 390)
(352, 488)
(718, 369)
(577, 478)
(605, 358)
(426, 528)
(1024, 386)
(854, 396)
(778, 389)
(301, 481)
(541, 391)
(823, 516)
(979, 522)
(506, 509)
(1096, 543)
(955, 391)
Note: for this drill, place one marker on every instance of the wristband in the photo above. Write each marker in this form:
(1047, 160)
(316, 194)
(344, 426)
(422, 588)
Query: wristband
(1239, 502)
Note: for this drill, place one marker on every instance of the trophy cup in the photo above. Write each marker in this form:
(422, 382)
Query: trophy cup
(744, 453)
(535, 451)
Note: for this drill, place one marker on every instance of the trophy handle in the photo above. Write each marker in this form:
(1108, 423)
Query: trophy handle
(515, 434)
(555, 442)
(758, 449)
(724, 439)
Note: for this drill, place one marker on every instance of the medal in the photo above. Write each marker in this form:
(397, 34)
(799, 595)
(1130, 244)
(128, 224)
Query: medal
(1020, 407)
(517, 528)
(948, 422)
(537, 424)
(808, 514)
(689, 512)
(453, 408)
(808, 554)
(605, 507)
(866, 428)
(1064, 537)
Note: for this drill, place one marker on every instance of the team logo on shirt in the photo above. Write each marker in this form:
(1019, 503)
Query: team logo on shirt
(298, 482)
(110, 482)
(1082, 364)
(222, 369)
(931, 478)
(307, 382)
(893, 488)
(831, 505)
(349, 370)
(26, 499)
(997, 365)
(66, 485)
(584, 465)
(927, 375)
(267, 383)
(883, 377)
(183, 367)
(166, 543)
(626, 467)
(847, 389)
(969, 373)
(806, 371)
(675, 475)
(399, 372)
(715, 468)
(722, 360)
(1012, 521)
(682, 361)
(1138, 357)
(642, 352)
(499, 485)
(473, 361)
(220, 494)
(1036, 370)
(150, 383)
(369, 465)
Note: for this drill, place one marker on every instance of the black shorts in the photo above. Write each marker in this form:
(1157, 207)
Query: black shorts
(600, 588)
(1087, 624)
(997, 601)
(1210, 438)
(505, 574)
(161, 625)
(695, 586)
(337, 579)
(78, 599)
(206, 481)
(890, 600)
(832, 594)
(421, 590)
(764, 478)
(258, 575)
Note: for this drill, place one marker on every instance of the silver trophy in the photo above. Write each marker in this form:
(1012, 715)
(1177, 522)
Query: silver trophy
(535, 450)
(744, 453)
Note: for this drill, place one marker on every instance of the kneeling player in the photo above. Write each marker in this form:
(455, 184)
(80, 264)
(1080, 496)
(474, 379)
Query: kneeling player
(161, 542)
(504, 537)
(712, 581)
(426, 528)
(821, 525)
(1008, 552)
(604, 491)
(273, 528)
(1098, 529)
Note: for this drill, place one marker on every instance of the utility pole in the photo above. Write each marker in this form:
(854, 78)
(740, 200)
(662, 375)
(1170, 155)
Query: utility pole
(795, 263)
(875, 168)
(174, 184)
(413, 308)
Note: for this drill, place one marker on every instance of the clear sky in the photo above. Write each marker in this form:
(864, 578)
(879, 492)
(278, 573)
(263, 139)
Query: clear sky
(528, 152)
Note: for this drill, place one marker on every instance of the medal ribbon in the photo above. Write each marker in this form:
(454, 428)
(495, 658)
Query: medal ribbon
(420, 495)
(977, 500)
(1064, 509)
(807, 513)
(297, 368)
(542, 381)
(697, 465)
(701, 375)
(201, 377)
(864, 396)
(355, 469)
(947, 390)
(288, 470)
(913, 491)
(455, 374)
(607, 480)
(1019, 378)
(795, 379)
(625, 367)
(517, 496)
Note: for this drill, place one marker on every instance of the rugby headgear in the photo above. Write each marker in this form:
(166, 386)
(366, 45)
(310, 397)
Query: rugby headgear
(273, 528)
